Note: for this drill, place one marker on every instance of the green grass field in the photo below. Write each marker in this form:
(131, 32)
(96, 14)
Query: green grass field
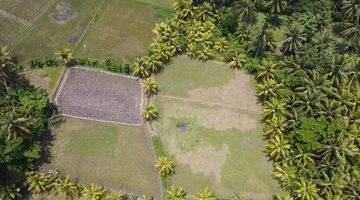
(46, 36)
(116, 156)
(212, 131)
(123, 32)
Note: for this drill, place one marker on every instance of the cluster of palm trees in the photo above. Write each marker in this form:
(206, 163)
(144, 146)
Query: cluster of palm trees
(191, 31)
(351, 8)
(68, 189)
(332, 94)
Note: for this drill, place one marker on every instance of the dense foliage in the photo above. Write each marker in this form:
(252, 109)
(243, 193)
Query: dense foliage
(24, 113)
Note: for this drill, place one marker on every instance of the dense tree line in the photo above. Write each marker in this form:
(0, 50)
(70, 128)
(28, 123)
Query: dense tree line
(24, 114)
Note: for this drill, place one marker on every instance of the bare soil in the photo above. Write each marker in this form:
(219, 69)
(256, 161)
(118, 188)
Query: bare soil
(102, 96)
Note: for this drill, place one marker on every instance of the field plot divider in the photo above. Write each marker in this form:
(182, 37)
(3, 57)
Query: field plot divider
(23, 34)
(99, 11)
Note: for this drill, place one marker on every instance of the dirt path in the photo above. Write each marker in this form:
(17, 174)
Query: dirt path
(153, 154)
(207, 103)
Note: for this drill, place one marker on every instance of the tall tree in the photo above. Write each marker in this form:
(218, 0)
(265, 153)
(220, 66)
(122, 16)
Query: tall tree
(205, 194)
(14, 125)
(293, 39)
(165, 166)
(94, 192)
(150, 112)
(277, 6)
(247, 10)
(149, 86)
(176, 193)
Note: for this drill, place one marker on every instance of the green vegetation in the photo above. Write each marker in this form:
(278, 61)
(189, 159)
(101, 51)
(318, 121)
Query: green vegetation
(303, 57)
(126, 38)
(23, 122)
(47, 36)
(78, 144)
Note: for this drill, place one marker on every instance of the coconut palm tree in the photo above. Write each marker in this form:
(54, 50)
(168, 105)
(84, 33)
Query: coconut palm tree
(263, 41)
(242, 33)
(268, 89)
(306, 190)
(205, 194)
(150, 112)
(65, 55)
(352, 32)
(266, 70)
(5, 62)
(351, 9)
(9, 193)
(275, 126)
(286, 174)
(14, 125)
(304, 159)
(314, 82)
(278, 148)
(293, 39)
(221, 45)
(206, 12)
(152, 64)
(176, 193)
(286, 196)
(237, 61)
(331, 109)
(277, 6)
(165, 166)
(94, 192)
(338, 68)
(308, 102)
(140, 69)
(38, 183)
(114, 196)
(354, 77)
(330, 187)
(65, 187)
(149, 86)
(274, 108)
(247, 10)
(237, 196)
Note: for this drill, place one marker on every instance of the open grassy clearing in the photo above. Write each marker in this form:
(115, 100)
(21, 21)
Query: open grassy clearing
(102, 153)
(123, 32)
(17, 16)
(45, 78)
(217, 145)
(48, 35)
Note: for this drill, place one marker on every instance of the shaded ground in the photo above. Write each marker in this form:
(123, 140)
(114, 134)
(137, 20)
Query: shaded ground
(222, 145)
(98, 95)
(116, 156)
(45, 78)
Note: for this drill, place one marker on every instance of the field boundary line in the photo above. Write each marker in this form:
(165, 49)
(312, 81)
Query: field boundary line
(23, 34)
(92, 22)
(207, 103)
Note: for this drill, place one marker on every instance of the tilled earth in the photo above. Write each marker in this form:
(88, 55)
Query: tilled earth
(102, 96)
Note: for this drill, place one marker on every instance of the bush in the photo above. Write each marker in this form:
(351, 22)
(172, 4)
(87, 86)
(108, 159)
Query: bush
(35, 63)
